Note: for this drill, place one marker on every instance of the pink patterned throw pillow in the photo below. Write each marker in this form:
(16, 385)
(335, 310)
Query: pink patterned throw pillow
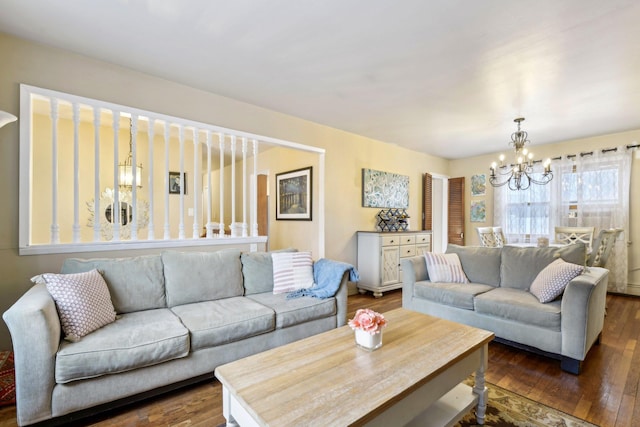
(83, 301)
(551, 281)
(291, 271)
(445, 268)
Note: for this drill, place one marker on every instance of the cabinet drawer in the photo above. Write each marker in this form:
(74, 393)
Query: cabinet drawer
(408, 239)
(391, 240)
(407, 251)
(423, 238)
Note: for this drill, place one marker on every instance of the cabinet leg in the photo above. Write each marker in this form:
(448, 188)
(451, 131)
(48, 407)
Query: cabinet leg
(377, 294)
(362, 291)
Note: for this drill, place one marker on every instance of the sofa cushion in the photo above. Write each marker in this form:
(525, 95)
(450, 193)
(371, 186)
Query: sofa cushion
(453, 294)
(257, 271)
(294, 311)
(445, 268)
(202, 276)
(480, 264)
(521, 265)
(223, 321)
(134, 340)
(292, 271)
(552, 280)
(82, 300)
(519, 306)
(135, 283)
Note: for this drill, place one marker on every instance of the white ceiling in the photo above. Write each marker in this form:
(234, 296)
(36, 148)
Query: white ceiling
(445, 77)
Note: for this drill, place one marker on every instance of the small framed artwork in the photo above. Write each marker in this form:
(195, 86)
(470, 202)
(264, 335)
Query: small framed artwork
(478, 211)
(478, 185)
(176, 182)
(293, 194)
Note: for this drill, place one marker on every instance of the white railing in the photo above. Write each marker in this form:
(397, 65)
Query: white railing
(70, 152)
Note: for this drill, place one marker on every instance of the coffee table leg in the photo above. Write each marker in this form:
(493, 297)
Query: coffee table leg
(479, 386)
(226, 408)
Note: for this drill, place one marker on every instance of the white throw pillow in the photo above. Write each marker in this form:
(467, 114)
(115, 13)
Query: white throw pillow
(292, 271)
(83, 301)
(445, 268)
(551, 281)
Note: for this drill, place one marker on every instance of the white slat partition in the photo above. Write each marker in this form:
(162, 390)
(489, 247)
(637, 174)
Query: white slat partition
(92, 187)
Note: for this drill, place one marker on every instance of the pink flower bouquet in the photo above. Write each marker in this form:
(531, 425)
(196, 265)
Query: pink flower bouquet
(368, 320)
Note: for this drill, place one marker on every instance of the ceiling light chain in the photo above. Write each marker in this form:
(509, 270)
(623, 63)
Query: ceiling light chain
(519, 176)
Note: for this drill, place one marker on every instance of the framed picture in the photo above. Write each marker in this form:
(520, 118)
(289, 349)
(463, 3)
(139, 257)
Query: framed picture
(478, 185)
(384, 190)
(176, 182)
(478, 211)
(293, 195)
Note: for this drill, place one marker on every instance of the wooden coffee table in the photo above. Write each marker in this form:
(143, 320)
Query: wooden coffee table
(415, 378)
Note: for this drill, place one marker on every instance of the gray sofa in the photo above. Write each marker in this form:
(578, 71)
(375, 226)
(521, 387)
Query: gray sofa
(179, 316)
(498, 299)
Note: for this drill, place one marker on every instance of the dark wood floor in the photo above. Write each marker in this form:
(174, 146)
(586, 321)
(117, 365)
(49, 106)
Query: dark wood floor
(606, 393)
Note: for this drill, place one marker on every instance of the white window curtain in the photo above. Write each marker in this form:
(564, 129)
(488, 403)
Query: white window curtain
(588, 190)
(524, 215)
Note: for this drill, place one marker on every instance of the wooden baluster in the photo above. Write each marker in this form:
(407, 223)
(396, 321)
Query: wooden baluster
(167, 226)
(209, 189)
(221, 195)
(234, 233)
(244, 188)
(96, 191)
(181, 227)
(196, 185)
(134, 176)
(55, 227)
(150, 135)
(76, 173)
(254, 198)
(116, 221)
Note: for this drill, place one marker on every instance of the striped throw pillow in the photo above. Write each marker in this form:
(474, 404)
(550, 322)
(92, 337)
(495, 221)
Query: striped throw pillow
(292, 271)
(445, 268)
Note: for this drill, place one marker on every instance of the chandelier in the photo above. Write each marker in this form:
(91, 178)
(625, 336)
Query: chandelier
(519, 176)
(125, 170)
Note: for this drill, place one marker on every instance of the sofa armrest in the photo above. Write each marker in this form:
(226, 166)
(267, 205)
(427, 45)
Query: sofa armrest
(341, 300)
(583, 311)
(35, 333)
(414, 269)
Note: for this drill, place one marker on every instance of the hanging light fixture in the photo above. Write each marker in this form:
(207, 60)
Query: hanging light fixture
(125, 170)
(6, 118)
(519, 176)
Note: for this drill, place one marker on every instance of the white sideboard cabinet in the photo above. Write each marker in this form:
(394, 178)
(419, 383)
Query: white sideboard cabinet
(379, 255)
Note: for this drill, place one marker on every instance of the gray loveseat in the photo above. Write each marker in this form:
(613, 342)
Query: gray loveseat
(498, 299)
(180, 315)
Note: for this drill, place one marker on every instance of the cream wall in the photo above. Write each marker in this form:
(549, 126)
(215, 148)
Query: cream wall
(346, 154)
(477, 165)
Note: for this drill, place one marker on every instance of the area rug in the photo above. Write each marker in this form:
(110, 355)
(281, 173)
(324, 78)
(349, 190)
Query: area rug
(7, 379)
(508, 409)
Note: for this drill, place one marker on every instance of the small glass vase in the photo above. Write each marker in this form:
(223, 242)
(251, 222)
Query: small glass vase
(367, 341)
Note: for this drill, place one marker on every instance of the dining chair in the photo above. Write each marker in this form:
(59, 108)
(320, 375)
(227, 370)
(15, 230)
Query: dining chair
(498, 236)
(487, 237)
(571, 235)
(602, 247)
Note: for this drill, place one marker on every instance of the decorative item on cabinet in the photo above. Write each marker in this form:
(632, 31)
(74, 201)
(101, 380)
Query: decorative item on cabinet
(392, 220)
